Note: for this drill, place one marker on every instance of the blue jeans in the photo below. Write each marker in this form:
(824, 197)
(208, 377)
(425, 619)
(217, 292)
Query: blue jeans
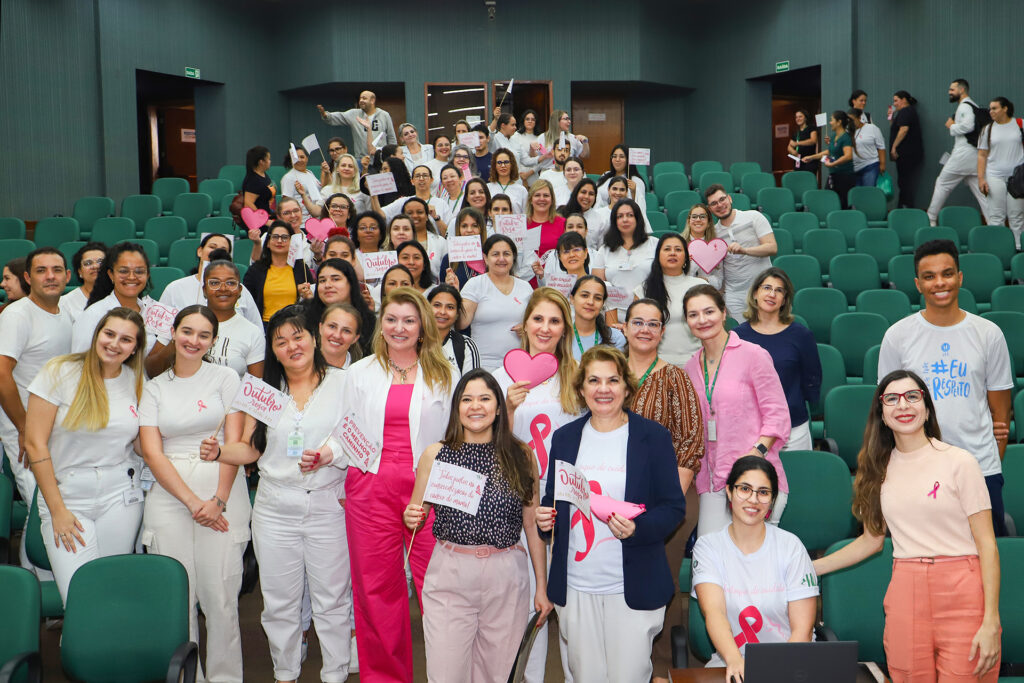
(994, 482)
(868, 176)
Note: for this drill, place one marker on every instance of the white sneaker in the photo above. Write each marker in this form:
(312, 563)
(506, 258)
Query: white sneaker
(353, 661)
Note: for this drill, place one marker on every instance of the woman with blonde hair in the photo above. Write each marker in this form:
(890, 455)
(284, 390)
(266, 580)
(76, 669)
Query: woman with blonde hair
(558, 133)
(399, 399)
(345, 180)
(699, 225)
(535, 413)
(414, 153)
(540, 213)
(81, 423)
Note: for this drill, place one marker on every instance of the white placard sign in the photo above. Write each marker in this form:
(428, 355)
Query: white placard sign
(259, 399)
(821, 120)
(295, 247)
(531, 244)
(572, 486)
(310, 143)
(455, 487)
(471, 140)
(160, 319)
(512, 225)
(361, 450)
(563, 282)
(381, 183)
(377, 263)
(619, 297)
(468, 248)
(293, 153)
(640, 156)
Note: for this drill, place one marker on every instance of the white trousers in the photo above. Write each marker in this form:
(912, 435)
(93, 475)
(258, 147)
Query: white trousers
(95, 495)
(212, 559)
(537, 662)
(714, 512)
(800, 438)
(299, 535)
(608, 642)
(1002, 206)
(945, 183)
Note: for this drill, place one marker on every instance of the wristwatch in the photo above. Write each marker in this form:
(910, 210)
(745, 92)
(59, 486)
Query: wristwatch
(761, 448)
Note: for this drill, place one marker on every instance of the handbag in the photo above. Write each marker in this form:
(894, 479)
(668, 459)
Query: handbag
(1015, 184)
(884, 183)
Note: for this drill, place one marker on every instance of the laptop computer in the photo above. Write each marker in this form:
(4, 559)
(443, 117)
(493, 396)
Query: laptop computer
(819, 662)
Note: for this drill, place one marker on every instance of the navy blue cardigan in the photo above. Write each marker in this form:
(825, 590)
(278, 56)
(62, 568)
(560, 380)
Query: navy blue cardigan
(652, 479)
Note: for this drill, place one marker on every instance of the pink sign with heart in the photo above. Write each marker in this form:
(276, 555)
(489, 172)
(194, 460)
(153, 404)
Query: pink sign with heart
(708, 255)
(522, 367)
(318, 228)
(254, 219)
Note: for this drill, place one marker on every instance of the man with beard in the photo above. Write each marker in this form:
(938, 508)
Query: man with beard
(962, 164)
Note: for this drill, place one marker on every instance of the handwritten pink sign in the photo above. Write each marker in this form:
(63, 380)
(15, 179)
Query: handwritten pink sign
(471, 140)
(381, 183)
(160, 319)
(259, 399)
(572, 486)
(455, 487)
(296, 247)
(619, 297)
(467, 248)
(563, 282)
(375, 264)
(360, 448)
(640, 155)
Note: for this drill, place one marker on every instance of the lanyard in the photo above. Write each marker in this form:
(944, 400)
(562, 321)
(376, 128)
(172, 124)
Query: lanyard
(579, 343)
(644, 378)
(708, 391)
(504, 188)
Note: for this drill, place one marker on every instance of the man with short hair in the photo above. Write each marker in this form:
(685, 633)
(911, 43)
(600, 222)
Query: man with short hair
(32, 331)
(366, 122)
(751, 245)
(964, 361)
(962, 164)
(483, 151)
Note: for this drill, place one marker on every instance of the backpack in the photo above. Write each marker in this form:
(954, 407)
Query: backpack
(1015, 183)
(981, 119)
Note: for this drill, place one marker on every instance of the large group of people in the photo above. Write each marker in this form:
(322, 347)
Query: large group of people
(127, 428)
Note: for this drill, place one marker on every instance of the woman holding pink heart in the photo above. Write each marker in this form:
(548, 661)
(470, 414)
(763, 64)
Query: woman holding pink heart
(699, 225)
(610, 580)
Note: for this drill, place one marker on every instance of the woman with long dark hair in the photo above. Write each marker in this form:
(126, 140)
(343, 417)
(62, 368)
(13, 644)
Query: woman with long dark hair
(272, 282)
(589, 327)
(123, 281)
(627, 253)
(413, 256)
(942, 606)
(619, 166)
(337, 282)
(584, 201)
(803, 142)
(459, 348)
(667, 284)
(258, 190)
(906, 147)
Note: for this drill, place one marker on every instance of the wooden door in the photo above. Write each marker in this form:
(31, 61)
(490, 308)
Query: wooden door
(783, 112)
(535, 95)
(600, 118)
(178, 144)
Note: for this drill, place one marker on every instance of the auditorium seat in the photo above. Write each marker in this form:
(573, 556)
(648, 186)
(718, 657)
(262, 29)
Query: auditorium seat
(846, 414)
(906, 222)
(820, 493)
(803, 271)
(853, 274)
(699, 168)
(113, 229)
(12, 228)
(891, 304)
(52, 231)
(740, 170)
(853, 334)
(165, 231)
(88, 210)
(775, 201)
(140, 208)
(849, 222)
(678, 204)
(169, 188)
(871, 201)
(821, 203)
(798, 224)
(799, 182)
(819, 306)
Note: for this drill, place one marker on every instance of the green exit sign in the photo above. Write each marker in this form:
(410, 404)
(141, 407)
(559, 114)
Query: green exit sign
(779, 67)
(193, 71)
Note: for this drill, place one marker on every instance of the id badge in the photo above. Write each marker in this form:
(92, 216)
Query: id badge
(712, 431)
(295, 444)
(626, 265)
(132, 496)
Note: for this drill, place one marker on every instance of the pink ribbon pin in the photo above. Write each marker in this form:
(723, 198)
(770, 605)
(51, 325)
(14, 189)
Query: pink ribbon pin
(935, 491)
(202, 406)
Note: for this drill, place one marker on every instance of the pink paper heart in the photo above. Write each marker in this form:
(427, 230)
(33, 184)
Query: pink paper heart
(708, 255)
(603, 507)
(254, 219)
(521, 366)
(317, 228)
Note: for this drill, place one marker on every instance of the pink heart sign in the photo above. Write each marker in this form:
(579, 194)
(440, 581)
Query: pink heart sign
(317, 228)
(254, 220)
(708, 255)
(521, 366)
(603, 507)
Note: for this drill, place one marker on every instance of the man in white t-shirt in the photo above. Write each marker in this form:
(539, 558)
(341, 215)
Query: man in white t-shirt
(962, 164)
(32, 331)
(365, 122)
(751, 246)
(963, 359)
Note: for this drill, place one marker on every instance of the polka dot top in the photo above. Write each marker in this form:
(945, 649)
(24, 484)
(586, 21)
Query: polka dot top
(498, 520)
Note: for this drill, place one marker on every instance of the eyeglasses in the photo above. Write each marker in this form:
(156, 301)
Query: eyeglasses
(89, 263)
(639, 324)
(912, 396)
(334, 149)
(768, 289)
(718, 202)
(503, 162)
(574, 251)
(421, 176)
(137, 272)
(338, 207)
(745, 491)
(698, 216)
(219, 284)
(279, 238)
(367, 228)
(462, 156)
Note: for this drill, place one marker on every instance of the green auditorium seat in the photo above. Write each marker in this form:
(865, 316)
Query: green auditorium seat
(775, 201)
(169, 188)
(799, 182)
(853, 274)
(12, 228)
(160, 277)
(657, 220)
(853, 334)
(165, 231)
(872, 202)
(113, 229)
(1008, 298)
(819, 306)
(19, 629)
(222, 225)
(140, 208)
(741, 169)
(784, 244)
(820, 493)
(940, 232)
(663, 167)
(69, 249)
(11, 249)
(756, 181)
(88, 210)
(905, 223)
(798, 224)
(217, 188)
(740, 201)
(709, 178)
(824, 244)
(993, 239)
(962, 219)
(821, 203)
(846, 413)
(234, 173)
(183, 254)
(804, 271)
(52, 231)
(680, 202)
(699, 168)
(193, 207)
(851, 602)
(849, 222)
(983, 273)
(669, 182)
(901, 275)
(882, 245)
(891, 304)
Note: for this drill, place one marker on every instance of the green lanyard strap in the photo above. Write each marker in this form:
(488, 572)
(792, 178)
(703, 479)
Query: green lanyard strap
(646, 374)
(708, 391)
(579, 342)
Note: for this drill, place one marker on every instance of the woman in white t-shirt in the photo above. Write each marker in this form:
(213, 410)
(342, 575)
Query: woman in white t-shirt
(698, 226)
(626, 256)
(535, 413)
(505, 179)
(493, 303)
(188, 290)
(413, 152)
(1000, 151)
(338, 334)
(868, 149)
(618, 166)
(198, 512)
(667, 284)
(87, 262)
(302, 184)
(610, 579)
(584, 202)
(345, 179)
(558, 130)
(81, 423)
(754, 582)
(123, 281)
(298, 520)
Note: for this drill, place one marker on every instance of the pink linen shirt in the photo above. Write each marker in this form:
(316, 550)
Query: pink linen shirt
(749, 403)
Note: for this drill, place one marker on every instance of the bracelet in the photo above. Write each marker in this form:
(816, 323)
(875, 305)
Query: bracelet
(35, 462)
(220, 503)
(219, 453)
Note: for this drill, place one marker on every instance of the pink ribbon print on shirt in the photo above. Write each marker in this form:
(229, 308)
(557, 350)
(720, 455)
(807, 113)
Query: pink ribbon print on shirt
(540, 427)
(202, 406)
(751, 622)
(935, 491)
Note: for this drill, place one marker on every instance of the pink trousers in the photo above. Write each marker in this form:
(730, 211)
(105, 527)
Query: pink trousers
(377, 540)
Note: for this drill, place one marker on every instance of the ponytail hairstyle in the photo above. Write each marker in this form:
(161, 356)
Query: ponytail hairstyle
(844, 120)
(515, 460)
(904, 95)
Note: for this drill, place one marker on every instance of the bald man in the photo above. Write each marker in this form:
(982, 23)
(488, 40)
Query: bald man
(365, 121)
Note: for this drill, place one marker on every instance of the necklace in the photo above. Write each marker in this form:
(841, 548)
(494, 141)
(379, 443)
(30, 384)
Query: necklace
(402, 372)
